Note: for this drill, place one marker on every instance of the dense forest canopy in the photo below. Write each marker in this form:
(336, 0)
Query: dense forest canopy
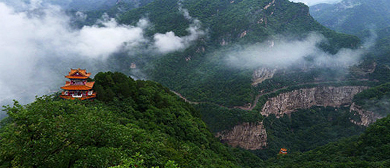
(353, 16)
(202, 71)
(134, 123)
(367, 150)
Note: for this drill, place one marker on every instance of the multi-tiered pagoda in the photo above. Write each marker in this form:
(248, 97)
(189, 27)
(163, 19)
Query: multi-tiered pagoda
(78, 87)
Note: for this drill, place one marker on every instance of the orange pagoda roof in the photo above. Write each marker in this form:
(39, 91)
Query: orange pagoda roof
(78, 89)
(283, 151)
(87, 86)
(78, 74)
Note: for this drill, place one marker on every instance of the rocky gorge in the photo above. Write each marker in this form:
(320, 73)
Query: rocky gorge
(286, 103)
(253, 136)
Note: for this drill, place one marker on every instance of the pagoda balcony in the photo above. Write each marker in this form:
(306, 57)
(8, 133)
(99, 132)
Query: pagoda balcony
(78, 96)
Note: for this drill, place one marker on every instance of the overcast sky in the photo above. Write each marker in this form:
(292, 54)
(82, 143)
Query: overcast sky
(314, 2)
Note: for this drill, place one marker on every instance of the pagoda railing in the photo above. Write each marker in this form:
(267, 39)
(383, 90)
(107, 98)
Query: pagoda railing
(77, 96)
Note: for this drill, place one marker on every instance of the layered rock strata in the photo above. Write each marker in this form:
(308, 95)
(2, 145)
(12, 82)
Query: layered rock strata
(262, 74)
(286, 103)
(366, 117)
(250, 136)
(253, 136)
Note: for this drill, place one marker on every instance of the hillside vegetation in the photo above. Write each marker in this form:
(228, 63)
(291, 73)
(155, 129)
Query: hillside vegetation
(353, 16)
(137, 123)
(131, 124)
(367, 20)
(200, 72)
(367, 150)
(143, 124)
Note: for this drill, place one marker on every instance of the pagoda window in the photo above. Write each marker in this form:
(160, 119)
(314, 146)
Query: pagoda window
(78, 82)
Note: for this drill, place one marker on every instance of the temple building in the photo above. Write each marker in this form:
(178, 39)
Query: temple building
(283, 151)
(78, 87)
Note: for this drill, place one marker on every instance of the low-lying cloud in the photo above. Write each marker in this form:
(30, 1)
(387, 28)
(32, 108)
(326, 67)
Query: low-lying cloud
(30, 38)
(96, 41)
(169, 42)
(314, 2)
(284, 53)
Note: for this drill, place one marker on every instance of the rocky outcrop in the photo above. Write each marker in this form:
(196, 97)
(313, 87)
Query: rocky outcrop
(269, 5)
(250, 136)
(365, 117)
(286, 103)
(254, 136)
(262, 74)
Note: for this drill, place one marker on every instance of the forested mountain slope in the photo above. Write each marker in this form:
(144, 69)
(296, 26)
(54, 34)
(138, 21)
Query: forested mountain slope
(367, 150)
(353, 16)
(231, 60)
(131, 124)
(367, 20)
(201, 72)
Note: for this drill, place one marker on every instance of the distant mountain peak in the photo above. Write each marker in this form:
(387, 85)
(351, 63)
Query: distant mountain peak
(353, 16)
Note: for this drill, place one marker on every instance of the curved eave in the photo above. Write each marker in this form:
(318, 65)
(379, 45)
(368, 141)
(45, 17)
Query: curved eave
(76, 87)
(77, 77)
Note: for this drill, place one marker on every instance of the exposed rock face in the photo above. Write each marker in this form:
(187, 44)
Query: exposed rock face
(366, 117)
(269, 5)
(286, 103)
(254, 136)
(262, 74)
(248, 136)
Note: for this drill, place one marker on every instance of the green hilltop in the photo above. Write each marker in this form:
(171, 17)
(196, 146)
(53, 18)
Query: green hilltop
(131, 124)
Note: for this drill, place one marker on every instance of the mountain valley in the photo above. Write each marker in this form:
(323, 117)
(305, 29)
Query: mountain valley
(233, 83)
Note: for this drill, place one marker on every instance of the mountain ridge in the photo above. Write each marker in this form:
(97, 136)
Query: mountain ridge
(352, 16)
(202, 64)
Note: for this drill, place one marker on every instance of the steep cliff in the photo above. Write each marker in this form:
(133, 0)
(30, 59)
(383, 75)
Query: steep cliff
(262, 74)
(254, 136)
(365, 117)
(286, 103)
(250, 136)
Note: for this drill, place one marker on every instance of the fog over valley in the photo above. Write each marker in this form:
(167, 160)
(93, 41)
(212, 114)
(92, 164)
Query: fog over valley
(39, 45)
(314, 2)
(282, 52)
(194, 83)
